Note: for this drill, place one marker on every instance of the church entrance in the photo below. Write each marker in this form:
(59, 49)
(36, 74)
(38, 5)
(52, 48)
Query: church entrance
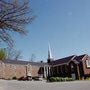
(73, 70)
(73, 75)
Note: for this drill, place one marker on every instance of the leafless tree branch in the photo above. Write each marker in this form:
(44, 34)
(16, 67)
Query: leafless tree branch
(13, 18)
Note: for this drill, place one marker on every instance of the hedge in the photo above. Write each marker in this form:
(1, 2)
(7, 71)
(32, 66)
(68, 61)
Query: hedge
(59, 79)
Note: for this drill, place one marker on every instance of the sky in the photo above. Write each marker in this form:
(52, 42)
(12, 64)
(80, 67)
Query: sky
(65, 24)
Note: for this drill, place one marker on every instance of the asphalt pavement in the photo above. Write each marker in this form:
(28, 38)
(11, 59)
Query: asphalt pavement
(42, 85)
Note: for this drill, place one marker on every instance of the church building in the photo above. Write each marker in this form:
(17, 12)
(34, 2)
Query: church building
(76, 67)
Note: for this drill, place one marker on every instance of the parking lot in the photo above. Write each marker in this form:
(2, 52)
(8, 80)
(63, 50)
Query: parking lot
(42, 85)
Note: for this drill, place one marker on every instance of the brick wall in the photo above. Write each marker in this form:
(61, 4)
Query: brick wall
(85, 68)
(8, 71)
(13, 70)
(35, 70)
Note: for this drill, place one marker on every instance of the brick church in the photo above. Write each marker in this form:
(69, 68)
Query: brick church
(73, 66)
(76, 67)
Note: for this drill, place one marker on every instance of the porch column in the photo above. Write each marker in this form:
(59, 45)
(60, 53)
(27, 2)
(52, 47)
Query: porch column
(78, 72)
(45, 71)
(57, 70)
(49, 71)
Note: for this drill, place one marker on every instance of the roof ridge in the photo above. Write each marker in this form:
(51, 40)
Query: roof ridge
(66, 57)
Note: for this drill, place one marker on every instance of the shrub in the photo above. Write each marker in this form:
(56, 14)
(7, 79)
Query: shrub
(52, 79)
(59, 79)
(14, 78)
(88, 78)
(37, 78)
(69, 79)
(22, 78)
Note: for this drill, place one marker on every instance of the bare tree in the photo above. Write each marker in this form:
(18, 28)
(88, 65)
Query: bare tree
(32, 57)
(18, 55)
(13, 54)
(14, 15)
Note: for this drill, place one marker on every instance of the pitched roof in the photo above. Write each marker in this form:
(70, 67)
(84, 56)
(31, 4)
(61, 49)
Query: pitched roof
(55, 62)
(80, 57)
(24, 62)
(63, 60)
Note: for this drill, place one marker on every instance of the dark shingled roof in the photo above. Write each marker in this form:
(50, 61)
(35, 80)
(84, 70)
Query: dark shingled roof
(67, 59)
(56, 62)
(24, 62)
(80, 57)
(63, 60)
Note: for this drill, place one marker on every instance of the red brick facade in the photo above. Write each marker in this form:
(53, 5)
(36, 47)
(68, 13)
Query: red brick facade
(72, 66)
(10, 70)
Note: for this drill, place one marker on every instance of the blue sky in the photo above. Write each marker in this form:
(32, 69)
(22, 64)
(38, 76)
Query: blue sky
(63, 23)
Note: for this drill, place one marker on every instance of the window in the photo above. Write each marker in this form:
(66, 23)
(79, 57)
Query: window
(72, 66)
(88, 63)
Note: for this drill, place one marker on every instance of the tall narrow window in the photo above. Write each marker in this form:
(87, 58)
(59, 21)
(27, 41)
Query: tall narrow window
(88, 63)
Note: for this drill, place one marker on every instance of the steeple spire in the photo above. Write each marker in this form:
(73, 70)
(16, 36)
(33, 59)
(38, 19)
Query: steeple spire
(49, 52)
(50, 58)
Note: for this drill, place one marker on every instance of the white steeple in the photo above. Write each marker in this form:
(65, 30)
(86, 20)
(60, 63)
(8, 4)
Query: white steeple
(49, 52)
